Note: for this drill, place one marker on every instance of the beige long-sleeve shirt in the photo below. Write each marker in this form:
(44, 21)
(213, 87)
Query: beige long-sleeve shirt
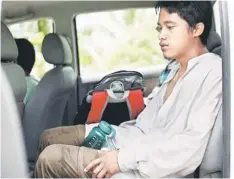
(169, 139)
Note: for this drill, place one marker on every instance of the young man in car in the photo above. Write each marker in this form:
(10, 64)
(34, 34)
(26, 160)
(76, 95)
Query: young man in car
(169, 138)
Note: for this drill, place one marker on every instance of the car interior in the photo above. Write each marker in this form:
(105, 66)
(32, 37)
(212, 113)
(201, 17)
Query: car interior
(62, 75)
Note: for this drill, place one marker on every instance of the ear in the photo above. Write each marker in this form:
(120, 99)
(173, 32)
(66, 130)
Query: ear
(198, 30)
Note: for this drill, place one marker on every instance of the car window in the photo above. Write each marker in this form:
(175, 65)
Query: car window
(118, 40)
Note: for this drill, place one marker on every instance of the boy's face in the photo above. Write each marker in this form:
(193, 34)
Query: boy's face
(174, 34)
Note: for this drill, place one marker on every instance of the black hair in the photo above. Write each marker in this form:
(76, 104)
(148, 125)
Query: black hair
(192, 12)
(26, 55)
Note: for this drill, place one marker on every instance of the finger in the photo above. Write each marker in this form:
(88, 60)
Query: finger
(102, 173)
(92, 164)
(97, 170)
(107, 175)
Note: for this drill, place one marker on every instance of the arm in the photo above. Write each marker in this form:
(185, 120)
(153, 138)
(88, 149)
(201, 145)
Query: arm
(160, 155)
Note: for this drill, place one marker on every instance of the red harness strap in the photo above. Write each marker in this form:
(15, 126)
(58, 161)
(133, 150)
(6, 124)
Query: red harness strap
(99, 100)
(136, 102)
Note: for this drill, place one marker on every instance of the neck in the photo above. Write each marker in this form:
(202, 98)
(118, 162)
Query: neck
(190, 54)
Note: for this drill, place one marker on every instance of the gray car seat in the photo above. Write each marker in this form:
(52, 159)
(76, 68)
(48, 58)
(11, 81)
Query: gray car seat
(14, 73)
(13, 158)
(211, 166)
(46, 108)
(214, 43)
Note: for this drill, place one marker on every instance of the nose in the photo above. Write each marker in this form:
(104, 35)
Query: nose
(162, 35)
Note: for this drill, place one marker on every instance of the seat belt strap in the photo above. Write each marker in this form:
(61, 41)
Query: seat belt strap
(136, 102)
(98, 105)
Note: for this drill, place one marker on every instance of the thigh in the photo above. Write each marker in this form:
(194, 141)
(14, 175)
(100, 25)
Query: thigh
(60, 160)
(69, 135)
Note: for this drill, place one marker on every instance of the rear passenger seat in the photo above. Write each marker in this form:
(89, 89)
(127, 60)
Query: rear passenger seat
(211, 166)
(46, 108)
(214, 43)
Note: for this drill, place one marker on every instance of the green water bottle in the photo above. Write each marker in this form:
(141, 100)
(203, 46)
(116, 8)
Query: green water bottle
(99, 135)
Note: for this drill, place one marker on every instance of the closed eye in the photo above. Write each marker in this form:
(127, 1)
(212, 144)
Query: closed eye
(158, 28)
(170, 27)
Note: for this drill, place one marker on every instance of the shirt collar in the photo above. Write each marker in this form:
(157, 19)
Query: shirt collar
(174, 66)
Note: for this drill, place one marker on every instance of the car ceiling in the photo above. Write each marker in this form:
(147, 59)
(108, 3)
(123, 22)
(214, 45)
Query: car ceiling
(62, 12)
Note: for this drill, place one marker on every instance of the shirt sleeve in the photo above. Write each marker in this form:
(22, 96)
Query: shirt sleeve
(159, 155)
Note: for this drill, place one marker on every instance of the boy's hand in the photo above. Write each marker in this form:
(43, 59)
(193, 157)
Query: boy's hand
(105, 166)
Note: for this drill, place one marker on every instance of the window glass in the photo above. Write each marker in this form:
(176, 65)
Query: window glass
(118, 40)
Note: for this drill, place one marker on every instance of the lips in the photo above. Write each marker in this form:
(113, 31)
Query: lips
(164, 46)
(163, 43)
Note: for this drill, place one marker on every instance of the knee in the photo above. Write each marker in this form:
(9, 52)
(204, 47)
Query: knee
(46, 135)
(47, 161)
(46, 139)
(49, 155)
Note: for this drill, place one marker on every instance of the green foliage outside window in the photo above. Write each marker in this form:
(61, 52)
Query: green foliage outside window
(114, 40)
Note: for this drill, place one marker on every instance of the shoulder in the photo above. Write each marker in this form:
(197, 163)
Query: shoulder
(212, 63)
(31, 81)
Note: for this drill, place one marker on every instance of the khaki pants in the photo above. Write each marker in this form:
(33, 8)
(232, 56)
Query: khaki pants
(60, 154)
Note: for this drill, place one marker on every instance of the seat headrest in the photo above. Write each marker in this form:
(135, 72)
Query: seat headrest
(9, 50)
(213, 41)
(26, 56)
(56, 50)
